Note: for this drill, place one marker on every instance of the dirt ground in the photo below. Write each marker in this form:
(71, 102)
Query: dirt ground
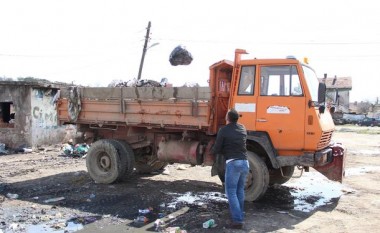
(184, 196)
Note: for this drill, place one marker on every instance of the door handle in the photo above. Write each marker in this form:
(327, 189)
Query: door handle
(261, 120)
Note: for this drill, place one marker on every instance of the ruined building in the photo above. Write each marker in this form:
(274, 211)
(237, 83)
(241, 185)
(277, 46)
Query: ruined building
(338, 92)
(28, 114)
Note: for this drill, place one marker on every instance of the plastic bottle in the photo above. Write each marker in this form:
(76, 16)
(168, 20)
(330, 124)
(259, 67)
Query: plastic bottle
(209, 223)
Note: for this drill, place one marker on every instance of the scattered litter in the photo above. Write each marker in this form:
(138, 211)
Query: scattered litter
(12, 195)
(59, 225)
(15, 227)
(158, 225)
(3, 151)
(282, 212)
(293, 215)
(85, 220)
(180, 56)
(174, 230)
(166, 172)
(92, 196)
(181, 167)
(141, 219)
(145, 211)
(209, 223)
(78, 150)
(348, 191)
(54, 199)
(286, 212)
(26, 150)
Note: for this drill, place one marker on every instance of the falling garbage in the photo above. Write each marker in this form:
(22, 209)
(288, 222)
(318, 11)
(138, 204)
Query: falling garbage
(180, 56)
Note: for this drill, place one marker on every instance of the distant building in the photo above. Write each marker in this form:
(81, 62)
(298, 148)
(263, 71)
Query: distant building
(28, 114)
(338, 92)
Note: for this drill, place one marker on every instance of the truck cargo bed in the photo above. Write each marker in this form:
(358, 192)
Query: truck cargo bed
(156, 107)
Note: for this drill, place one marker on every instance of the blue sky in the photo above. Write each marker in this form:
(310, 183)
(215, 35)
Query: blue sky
(93, 42)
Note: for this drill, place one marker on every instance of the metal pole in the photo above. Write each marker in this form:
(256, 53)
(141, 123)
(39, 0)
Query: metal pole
(144, 51)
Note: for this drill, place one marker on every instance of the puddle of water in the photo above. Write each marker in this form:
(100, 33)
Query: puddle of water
(313, 190)
(309, 192)
(47, 228)
(197, 199)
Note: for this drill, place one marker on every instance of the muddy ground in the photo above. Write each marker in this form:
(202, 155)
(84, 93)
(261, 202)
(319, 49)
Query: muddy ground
(186, 196)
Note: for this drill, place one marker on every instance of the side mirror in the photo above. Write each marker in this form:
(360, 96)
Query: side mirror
(321, 93)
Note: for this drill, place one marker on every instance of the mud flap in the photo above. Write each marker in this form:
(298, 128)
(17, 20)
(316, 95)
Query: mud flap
(335, 169)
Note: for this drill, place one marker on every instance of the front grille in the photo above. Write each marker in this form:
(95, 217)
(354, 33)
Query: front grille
(325, 140)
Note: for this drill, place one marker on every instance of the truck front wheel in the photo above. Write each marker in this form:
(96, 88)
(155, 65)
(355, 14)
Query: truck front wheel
(258, 178)
(275, 176)
(103, 162)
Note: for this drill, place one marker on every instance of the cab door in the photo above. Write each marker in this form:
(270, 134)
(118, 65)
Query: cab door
(244, 100)
(281, 106)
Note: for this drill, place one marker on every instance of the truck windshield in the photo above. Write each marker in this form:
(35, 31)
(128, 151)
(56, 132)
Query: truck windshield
(312, 82)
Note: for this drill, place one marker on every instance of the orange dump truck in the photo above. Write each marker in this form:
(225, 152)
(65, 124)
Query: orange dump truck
(280, 102)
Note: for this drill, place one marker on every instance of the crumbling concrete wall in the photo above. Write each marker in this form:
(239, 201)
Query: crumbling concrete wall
(44, 125)
(341, 98)
(17, 133)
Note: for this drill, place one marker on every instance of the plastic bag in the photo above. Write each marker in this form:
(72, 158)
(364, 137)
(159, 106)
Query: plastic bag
(180, 56)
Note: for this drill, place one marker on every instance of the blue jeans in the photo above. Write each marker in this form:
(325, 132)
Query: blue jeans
(236, 173)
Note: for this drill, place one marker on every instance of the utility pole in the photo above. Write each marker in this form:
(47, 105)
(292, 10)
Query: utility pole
(144, 50)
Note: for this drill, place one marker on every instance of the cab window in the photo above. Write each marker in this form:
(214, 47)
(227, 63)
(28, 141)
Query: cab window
(280, 81)
(247, 80)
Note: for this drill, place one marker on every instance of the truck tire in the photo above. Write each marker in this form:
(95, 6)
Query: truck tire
(127, 158)
(258, 178)
(103, 162)
(275, 176)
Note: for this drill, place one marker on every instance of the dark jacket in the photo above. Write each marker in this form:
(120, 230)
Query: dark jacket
(231, 142)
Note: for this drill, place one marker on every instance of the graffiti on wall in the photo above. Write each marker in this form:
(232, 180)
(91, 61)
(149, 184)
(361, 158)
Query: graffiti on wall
(44, 111)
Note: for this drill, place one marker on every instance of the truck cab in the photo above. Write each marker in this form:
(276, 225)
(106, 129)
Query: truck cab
(281, 104)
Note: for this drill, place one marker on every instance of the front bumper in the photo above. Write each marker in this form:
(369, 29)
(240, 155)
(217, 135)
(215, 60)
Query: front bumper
(331, 164)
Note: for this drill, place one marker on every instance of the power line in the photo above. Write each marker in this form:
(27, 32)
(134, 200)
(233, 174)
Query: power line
(271, 42)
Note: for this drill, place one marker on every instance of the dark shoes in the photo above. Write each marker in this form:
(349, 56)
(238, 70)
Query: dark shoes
(235, 225)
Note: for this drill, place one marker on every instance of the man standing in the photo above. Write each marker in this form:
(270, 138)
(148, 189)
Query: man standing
(231, 142)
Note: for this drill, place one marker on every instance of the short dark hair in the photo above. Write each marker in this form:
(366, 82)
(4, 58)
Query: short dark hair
(233, 115)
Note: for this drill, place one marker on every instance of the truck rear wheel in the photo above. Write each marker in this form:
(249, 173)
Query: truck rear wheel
(103, 162)
(258, 178)
(127, 158)
(275, 176)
